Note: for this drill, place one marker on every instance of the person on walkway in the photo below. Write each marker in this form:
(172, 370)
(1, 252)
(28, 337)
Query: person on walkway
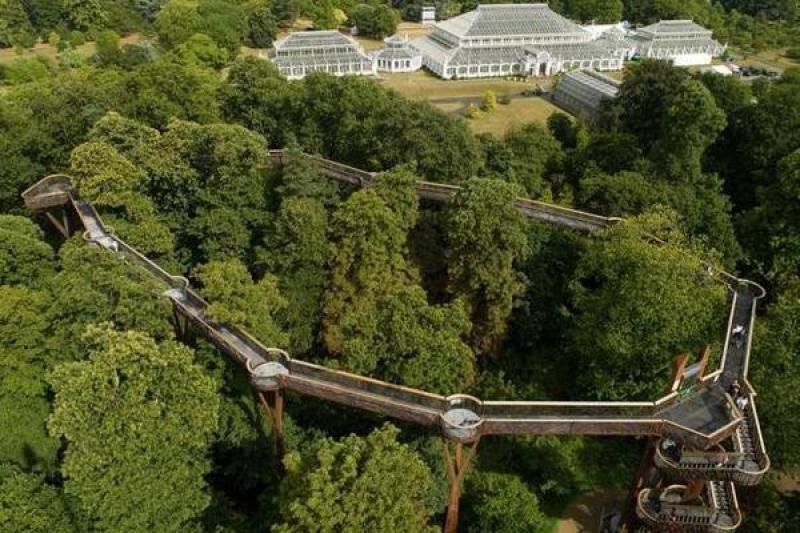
(733, 388)
(741, 402)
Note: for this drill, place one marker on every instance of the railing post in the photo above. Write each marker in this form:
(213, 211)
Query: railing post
(677, 372)
(457, 465)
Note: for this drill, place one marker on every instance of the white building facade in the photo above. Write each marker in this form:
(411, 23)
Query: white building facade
(525, 39)
(533, 40)
(428, 15)
(304, 52)
(398, 56)
(683, 42)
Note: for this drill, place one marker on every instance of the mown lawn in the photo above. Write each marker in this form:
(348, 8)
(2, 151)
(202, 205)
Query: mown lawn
(10, 55)
(773, 59)
(519, 112)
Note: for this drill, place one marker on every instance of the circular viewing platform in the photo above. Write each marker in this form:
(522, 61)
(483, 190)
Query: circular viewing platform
(462, 419)
(267, 376)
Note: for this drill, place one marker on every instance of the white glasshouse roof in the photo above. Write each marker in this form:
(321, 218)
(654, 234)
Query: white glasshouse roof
(586, 89)
(665, 27)
(509, 19)
(314, 39)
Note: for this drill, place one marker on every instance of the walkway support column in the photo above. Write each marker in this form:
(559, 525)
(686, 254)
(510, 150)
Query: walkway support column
(457, 465)
(63, 228)
(693, 490)
(272, 402)
(646, 467)
(183, 327)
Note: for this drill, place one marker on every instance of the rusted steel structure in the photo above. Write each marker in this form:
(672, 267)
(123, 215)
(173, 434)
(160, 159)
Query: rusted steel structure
(723, 443)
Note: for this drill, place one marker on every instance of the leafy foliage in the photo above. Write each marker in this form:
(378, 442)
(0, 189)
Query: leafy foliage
(639, 305)
(502, 503)
(29, 505)
(486, 235)
(137, 418)
(370, 483)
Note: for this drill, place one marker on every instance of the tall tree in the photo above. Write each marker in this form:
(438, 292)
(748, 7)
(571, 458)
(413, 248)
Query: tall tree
(95, 286)
(501, 503)
(137, 418)
(239, 301)
(776, 375)
(600, 11)
(367, 258)
(296, 251)
(24, 395)
(692, 122)
(486, 236)
(638, 305)
(420, 345)
(534, 153)
(15, 26)
(370, 483)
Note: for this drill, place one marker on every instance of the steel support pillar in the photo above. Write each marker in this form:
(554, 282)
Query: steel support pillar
(63, 228)
(184, 331)
(643, 475)
(693, 490)
(274, 410)
(457, 465)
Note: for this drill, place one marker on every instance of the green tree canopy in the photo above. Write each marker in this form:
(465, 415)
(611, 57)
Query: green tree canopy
(24, 362)
(534, 153)
(236, 299)
(500, 503)
(29, 505)
(25, 258)
(420, 345)
(95, 286)
(296, 251)
(692, 122)
(370, 483)
(776, 375)
(486, 236)
(638, 305)
(377, 20)
(367, 258)
(137, 418)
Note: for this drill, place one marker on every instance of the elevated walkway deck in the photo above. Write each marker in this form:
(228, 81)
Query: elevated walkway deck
(701, 420)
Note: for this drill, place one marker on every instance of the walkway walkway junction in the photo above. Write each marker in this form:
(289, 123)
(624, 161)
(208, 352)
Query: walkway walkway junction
(722, 445)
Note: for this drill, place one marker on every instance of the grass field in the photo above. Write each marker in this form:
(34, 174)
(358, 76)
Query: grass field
(770, 59)
(454, 97)
(519, 112)
(422, 85)
(9, 55)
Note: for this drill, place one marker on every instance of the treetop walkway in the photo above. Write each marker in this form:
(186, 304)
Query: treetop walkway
(723, 442)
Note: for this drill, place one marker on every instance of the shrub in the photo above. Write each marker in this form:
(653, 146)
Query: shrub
(489, 101)
(76, 38)
(473, 111)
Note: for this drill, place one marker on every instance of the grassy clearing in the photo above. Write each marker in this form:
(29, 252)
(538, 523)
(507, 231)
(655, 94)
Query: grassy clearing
(422, 85)
(773, 59)
(50, 53)
(519, 112)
